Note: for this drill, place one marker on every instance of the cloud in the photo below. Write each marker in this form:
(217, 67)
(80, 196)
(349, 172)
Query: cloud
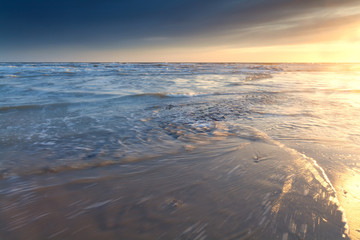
(114, 23)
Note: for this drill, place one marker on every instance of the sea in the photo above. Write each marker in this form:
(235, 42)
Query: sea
(179, 151)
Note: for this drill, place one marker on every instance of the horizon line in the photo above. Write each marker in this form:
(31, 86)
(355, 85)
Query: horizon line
(199, 62)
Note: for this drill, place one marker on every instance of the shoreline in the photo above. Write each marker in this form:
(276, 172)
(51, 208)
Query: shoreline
(213, 191)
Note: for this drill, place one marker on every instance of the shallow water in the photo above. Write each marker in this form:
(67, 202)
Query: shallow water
(179, 150)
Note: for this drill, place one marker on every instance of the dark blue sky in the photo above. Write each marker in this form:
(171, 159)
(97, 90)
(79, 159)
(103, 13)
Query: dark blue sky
(89, 25)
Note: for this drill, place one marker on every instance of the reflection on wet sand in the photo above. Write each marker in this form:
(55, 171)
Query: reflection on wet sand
(228, 189)
(348, 187)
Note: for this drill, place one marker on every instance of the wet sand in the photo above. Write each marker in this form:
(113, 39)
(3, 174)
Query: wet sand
(234, 188)
(348, 188)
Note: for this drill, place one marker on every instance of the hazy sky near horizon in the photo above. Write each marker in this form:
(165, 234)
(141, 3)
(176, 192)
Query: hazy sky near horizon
(180, 30)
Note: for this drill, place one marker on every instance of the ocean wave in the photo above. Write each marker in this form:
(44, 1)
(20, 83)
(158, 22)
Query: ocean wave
(258, 76)
(344, 90)
(182, 95)
(171, 139)
(31, 106)
(11, 76)
(169, 95)
(189, 137)
(6, 173)
(158, 95)
(322, 67)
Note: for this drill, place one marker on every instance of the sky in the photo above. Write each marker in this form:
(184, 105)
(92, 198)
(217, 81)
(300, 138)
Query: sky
(180, 30)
